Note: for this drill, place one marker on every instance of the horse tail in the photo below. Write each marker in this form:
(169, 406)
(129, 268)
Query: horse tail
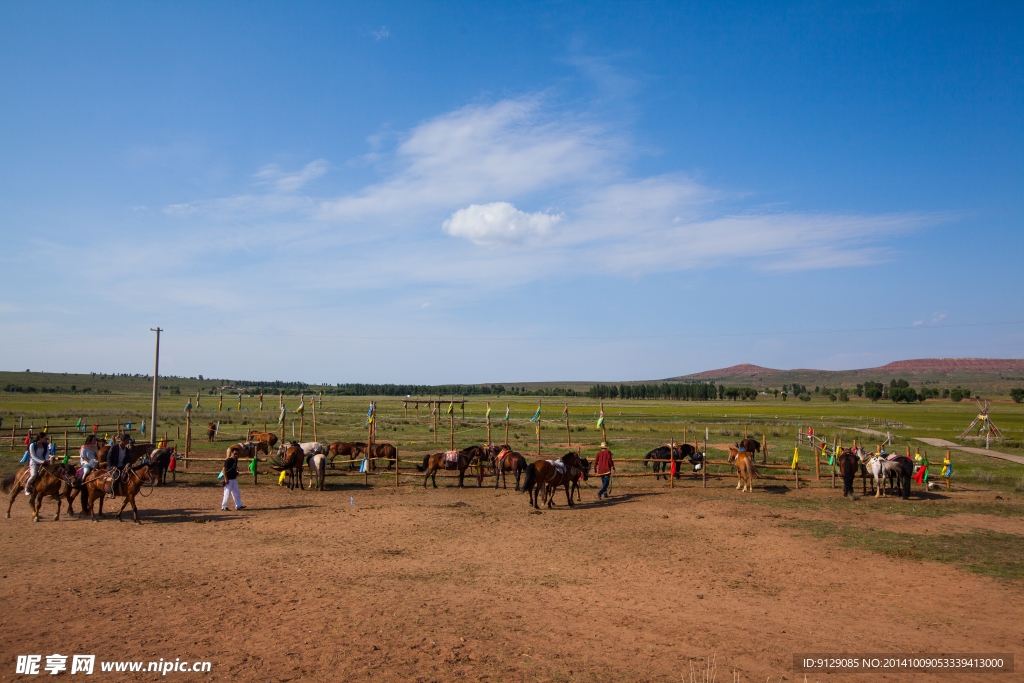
(753, 470)
(8, 483)
(531, 478)
(423, 468)
(908, 474)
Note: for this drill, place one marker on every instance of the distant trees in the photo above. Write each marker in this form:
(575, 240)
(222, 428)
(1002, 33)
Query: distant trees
(1017, 395)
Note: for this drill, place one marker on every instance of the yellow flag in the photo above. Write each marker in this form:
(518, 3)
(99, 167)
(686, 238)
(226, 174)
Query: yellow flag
(280, 480)
(796, 459)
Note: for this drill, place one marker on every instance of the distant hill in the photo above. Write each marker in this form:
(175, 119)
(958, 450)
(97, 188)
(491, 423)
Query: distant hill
(977, 373)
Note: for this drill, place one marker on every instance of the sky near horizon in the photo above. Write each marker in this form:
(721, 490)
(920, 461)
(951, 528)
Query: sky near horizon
(508, 192)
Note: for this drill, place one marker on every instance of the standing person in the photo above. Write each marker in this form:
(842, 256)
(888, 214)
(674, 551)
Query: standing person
(87, 456)
(230, 473)
(38, 455)
(604, 466)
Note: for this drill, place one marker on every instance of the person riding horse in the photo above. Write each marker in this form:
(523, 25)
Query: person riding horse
(38, 455)
(119, 462)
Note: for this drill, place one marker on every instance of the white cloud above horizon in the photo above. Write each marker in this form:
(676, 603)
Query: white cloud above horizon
(499, 223)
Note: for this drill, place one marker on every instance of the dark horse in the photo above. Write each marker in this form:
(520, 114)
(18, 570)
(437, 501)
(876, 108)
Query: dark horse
(849, 463)
(750, 446)
(291, 459)
(575, 482)
(906, 466)
(543, 478)
(435, 461)
(682, 450)
(382, 450)
(160, 463)
(511, 461)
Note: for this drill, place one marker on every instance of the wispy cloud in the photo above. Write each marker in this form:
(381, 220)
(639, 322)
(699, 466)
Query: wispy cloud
(380, 34)
(556, 185)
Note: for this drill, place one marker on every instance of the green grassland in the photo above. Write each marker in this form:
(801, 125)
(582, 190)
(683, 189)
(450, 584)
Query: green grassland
(633, 427)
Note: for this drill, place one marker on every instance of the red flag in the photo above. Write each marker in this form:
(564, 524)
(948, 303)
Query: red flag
(673, 467)
(174, 465)
(95, 427)
(28, 437)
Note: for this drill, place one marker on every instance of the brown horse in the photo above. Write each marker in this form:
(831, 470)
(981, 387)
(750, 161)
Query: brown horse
(511, 461)
(385, 451)
(131, 483)
(435, 461)
(746, 470)
(291, 459)
(268, 438)
(53, 479)
(95, 488)
(211, 431)
(543, 478)
(750, 445)
(349, 449)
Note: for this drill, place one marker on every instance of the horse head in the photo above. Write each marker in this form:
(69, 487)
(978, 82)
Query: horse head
(734, 452)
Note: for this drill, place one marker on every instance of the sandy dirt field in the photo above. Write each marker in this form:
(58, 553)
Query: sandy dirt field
(453, 585)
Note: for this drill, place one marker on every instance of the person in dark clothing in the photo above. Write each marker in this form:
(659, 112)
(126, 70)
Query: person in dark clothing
(230, 474)
(119, 461)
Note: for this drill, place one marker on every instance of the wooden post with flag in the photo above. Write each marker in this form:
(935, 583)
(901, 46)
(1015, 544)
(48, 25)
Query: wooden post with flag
(313, 404)
(672, 465)
(434, 413)
(451, 426)
(508, 407)
(600, 423)
(488, 416)
(568, 433)
(704, 468)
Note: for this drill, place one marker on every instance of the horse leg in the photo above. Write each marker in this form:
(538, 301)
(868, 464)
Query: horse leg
(135, 510)
(57, 516)
(739, 477)
(568, 494)
(124, 504)
(15, 490)
(36, 501)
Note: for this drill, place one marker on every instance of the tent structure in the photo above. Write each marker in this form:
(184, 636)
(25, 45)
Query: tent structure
(983, 422)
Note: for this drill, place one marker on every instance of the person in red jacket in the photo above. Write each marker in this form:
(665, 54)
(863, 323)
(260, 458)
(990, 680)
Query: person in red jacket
(604, 466)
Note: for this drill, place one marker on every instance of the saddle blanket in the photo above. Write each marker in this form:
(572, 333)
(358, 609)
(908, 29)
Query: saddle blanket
(501, 456)
(559, 465)
(451, 460)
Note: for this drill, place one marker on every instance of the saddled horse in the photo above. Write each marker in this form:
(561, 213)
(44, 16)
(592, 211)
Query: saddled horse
(349, 449)
(746, 469)
(432, 462)
(160, 463)
(290, 459)
(544, 477)
(268, 438)
(666, 452)
(130, 485)
(503, 459)
(848, 463)
(750, 445)
(53, 479)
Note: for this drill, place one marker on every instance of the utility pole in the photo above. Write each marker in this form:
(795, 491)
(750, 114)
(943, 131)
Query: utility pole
(156, 378)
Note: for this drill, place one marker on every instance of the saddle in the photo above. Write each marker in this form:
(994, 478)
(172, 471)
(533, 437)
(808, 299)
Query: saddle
(558, 465)
(501, 456)
(451, 460)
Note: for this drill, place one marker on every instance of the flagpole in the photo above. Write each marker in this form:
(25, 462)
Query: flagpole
(314, 421)
(451, 427)
(568, 435)
(488, 424)
(507, 408)
(604, 434)
(538, 427)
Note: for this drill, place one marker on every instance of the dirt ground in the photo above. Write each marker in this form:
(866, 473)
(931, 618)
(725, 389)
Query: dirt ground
(424, 585)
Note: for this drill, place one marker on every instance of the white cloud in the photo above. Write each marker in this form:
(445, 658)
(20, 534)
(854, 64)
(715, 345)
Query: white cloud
(498, 223)
(382, 33)
(280, 181)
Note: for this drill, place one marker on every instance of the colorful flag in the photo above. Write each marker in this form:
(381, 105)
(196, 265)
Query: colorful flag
(565, 410)
(796, 459)
(280, 418)
(507, 408)
(301, 408)
(451, 407)
(488, 410)
(188, 406)
(79, 423)
(536, 416)
(252, 465)
(220, 403)
(369, 415)
(142, 430)
(947, 467)
(600, 419)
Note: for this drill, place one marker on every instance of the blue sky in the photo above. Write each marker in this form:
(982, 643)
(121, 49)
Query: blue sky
(508, 192)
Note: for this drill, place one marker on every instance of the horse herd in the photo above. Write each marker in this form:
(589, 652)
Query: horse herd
(542, 478)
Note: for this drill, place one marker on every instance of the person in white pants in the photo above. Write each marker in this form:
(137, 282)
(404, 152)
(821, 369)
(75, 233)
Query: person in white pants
(38, 455)
(230, 473)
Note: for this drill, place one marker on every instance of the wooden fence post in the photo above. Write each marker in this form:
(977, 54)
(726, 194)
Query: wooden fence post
(568, 433)
(817, 464)
(314, 422)
(65, 444)
(704, 469)
(764, 448)
(950, 459)
(672, 464)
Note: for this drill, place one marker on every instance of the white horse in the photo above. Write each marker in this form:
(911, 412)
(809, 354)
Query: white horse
(317, 464)
(880, 469)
